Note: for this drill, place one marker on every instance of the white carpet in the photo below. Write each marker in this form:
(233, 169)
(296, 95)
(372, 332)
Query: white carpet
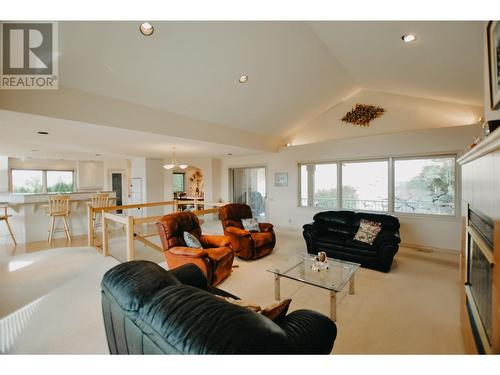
(50, 300)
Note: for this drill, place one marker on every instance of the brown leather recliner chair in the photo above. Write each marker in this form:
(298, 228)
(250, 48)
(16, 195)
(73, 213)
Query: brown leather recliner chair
(246, 245)
(215, 259)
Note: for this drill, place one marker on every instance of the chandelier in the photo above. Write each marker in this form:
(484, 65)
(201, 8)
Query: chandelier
(174, 163)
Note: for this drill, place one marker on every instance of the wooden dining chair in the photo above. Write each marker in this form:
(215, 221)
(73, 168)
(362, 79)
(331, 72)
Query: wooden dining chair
(4, 216)
(59, 206)
(98, 200)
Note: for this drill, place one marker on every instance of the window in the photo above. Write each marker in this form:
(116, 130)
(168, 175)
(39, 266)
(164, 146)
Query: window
(425, 186)
(178, 182)
(365, 186)
(59, 181)
(26, 181)
(304, 186)
(416, 185)
(318, 184)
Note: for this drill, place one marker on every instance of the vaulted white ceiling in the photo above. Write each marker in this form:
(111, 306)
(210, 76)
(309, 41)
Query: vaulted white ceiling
(296, 70)
(182, 81)
(443, 63)
(192, 68)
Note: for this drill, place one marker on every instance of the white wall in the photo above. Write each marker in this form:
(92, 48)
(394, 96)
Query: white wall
(283, 210)
(155, 185)
(216, 180)
(4, 174)
(32, 163)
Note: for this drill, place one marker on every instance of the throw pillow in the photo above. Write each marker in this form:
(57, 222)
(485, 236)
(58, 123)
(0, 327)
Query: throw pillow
(368, 231)
(191, 241)
(251, 225)
(242, 303)
(277, 310)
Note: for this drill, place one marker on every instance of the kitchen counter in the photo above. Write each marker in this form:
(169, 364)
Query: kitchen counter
(30, 222)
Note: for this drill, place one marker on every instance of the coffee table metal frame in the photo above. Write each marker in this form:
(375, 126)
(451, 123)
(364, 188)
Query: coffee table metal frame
(334, 289)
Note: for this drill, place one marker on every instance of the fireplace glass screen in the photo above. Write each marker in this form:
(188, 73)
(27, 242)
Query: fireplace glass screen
(480, 282)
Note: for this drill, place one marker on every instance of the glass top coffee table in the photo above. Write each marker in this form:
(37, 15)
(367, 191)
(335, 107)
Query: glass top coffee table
(335, 278)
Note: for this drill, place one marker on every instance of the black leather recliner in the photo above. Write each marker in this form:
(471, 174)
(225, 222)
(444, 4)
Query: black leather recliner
(148, 310)
(333, 232)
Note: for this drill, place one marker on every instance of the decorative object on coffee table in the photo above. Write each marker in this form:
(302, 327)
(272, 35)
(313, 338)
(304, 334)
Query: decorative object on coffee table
(320, 262)
(362, 114)
(493, 37)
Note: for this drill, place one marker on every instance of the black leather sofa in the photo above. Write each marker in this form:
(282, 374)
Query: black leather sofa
(148, 310)
(333, 232)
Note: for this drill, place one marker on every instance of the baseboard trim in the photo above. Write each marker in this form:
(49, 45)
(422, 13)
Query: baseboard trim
(429, 249)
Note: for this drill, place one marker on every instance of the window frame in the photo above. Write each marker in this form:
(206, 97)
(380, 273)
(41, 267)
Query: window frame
(388, 160)
(456, 185)
(310, 184)
(44, 180)
(391, 181)
(183, 180)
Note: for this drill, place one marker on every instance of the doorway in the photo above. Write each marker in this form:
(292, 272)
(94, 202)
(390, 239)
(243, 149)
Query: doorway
(117, 187)
(248, 185)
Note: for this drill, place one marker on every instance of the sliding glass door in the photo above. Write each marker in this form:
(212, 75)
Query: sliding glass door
(248, 185)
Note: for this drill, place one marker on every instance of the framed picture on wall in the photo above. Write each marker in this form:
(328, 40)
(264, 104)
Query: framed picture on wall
(281, 179)
(493, 36)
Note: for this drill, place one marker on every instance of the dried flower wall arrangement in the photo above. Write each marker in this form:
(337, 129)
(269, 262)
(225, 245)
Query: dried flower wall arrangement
(362, 114)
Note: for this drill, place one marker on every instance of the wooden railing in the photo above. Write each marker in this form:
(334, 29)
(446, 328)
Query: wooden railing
(129, 222)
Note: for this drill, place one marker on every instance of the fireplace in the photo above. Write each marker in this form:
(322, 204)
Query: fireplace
(479, 280)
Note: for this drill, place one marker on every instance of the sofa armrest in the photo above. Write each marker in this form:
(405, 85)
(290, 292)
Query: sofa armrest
(188, 252)
(237, 232)
(211, 241)
(190, 274)
(309, 331)
(387, 244)
(310, 233)
(386, 239)
(266, 227)
(310, 228)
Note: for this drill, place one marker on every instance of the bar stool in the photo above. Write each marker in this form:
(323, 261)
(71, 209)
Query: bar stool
(96, 201)
(5, 217)
(59, 206)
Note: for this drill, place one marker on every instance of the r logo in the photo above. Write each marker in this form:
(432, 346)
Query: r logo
(27, 48)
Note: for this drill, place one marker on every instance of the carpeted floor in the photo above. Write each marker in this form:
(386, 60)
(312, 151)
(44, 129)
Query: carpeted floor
(50, 300)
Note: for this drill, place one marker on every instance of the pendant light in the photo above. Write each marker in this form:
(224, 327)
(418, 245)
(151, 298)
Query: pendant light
(174, 163)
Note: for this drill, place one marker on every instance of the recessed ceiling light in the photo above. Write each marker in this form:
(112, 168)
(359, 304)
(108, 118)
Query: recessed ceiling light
(243, 79)
(43, 133)
(288, 144)
(408, 38)
(146, 29)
